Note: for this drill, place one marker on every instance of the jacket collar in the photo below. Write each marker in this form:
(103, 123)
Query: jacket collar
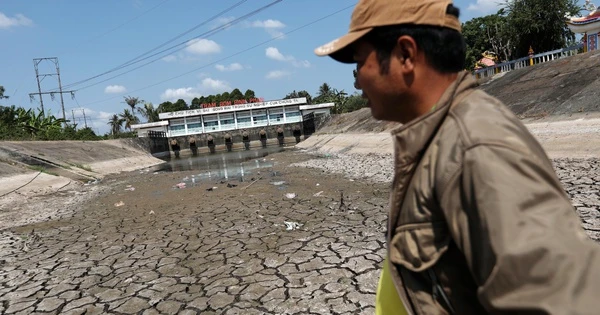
(412, 138)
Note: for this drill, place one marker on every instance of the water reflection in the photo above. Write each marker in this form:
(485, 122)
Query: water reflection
(224, 166)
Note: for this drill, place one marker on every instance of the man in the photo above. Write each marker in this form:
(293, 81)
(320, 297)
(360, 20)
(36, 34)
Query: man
(478, 222)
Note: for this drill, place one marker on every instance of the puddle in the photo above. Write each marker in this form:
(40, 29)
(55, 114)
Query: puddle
(239, 165)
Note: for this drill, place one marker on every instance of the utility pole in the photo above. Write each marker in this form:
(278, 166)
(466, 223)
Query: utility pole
(36, 63)
(84, 119)
(73, 115)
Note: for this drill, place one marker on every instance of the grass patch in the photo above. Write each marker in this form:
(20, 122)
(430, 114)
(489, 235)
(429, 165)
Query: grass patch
(42, 169)
(81, 166)
(84, 167)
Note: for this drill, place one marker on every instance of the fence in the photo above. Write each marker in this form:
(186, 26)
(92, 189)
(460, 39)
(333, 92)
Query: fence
(527, 61)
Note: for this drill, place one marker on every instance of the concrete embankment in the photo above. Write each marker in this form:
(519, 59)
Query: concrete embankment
(91, 158)
(561, 87)
(577, 137)
(66, 162)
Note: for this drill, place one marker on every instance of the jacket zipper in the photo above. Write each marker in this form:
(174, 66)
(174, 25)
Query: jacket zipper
(437, 289)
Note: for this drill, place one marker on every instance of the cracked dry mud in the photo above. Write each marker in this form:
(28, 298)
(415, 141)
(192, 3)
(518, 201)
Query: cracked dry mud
(190, 251)
(226, 251)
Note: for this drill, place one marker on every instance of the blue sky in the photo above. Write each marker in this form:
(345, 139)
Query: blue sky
(93, 37)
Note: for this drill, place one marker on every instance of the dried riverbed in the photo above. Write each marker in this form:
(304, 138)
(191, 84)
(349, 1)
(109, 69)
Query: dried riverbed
(302, 234)
(287, 240)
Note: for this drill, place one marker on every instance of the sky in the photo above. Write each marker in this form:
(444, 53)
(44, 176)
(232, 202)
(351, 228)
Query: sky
(164, 50)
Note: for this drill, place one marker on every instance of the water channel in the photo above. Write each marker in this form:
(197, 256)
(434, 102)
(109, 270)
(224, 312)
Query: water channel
(238, 165)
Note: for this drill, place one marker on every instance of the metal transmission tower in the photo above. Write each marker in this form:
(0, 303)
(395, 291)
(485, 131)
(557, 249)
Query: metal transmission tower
(40, 77)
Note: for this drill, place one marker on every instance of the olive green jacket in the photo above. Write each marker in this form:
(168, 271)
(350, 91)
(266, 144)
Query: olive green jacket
(479, 222)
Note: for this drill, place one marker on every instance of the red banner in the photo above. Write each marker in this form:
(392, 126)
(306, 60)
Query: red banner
(236, 102)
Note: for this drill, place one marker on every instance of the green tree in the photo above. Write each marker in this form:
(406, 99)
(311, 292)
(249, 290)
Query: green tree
(352, 103)
(149, 112)
(86, 134)
(133, 102)
(181, 105)
(299, 94)
(2, 91)
(196, 103)
(166, 107)
(488, 33)
(324, 94)
(236, 94)
(249, 94)
(539, 24)
(116, 124)
(327, 94)
(129, 118)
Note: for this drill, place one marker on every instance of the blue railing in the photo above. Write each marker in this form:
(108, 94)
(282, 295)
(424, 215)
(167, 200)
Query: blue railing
(527, 61)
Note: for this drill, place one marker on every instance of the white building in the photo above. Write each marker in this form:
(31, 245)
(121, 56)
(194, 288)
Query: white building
(234, 117)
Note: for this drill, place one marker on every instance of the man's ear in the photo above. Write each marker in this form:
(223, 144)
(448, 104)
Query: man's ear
(406, 52)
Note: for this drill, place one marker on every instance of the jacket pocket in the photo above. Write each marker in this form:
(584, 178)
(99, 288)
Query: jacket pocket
(418, 246)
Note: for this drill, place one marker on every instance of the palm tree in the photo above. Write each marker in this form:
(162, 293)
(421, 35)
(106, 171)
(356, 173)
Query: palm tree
(324, 90)
(116, 123)
(149, 112)
(129, 118)
(132, 102)
(2, 90)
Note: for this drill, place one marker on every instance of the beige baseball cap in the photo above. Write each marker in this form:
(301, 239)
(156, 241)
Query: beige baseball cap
(369, 14)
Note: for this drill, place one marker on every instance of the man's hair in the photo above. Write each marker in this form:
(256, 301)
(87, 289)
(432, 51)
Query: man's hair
(444, 48)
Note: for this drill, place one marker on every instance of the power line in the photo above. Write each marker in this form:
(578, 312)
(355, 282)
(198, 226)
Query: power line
(137, 58)
(232, 55)
(206, 35)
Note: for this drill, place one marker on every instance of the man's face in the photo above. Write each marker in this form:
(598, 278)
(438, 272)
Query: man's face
(383, 91)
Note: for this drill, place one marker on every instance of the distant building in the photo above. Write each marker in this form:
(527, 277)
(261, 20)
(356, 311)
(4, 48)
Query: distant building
(233, 117)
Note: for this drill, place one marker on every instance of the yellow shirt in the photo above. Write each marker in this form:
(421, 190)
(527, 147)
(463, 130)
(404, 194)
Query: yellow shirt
(387, 301)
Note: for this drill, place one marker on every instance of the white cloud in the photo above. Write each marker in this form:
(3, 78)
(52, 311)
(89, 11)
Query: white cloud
(268, 24)
(301, 63)
(277, 74)
(215, 86)
(96, 114)
(273, 27)
(223, 22)
(97, 120)
(18, 20)
(187, 93)
(275, 54)
(485, 6)
(232, 67)
(170, 58)
(115, 89)
(206, 87)
(202, 47)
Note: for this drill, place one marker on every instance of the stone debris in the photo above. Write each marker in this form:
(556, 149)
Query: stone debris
(180, 186)
(290, 225)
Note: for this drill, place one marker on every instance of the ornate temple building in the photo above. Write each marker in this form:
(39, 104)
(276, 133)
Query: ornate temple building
(588, 26)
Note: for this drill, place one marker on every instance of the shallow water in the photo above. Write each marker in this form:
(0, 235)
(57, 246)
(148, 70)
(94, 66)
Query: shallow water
(239, 165)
